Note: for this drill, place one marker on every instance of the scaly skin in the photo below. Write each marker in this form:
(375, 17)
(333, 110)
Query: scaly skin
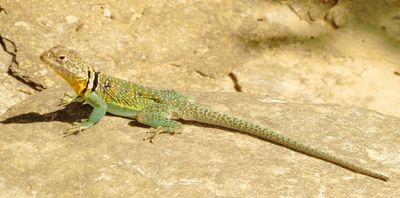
(159, 108)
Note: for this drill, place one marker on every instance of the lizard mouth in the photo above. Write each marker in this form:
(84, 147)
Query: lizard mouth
(45, 57)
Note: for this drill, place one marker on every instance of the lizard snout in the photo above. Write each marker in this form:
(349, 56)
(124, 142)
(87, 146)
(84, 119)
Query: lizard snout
(44, 55)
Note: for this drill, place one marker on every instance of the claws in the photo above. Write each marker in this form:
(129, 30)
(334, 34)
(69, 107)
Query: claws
(78, 127)
(66, 99)
(153, 132)
(73, 130)
(69, 98)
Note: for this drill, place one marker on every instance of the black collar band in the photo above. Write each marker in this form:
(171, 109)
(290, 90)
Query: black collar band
(87, 83)
(96, 81)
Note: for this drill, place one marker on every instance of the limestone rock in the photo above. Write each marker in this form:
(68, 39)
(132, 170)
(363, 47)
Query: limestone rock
(111, 159)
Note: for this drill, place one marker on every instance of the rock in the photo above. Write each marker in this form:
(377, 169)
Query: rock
(212, 46)
(111, 159)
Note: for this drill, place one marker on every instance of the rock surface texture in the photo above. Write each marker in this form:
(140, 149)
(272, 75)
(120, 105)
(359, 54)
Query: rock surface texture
(336, 63)
(111, 159)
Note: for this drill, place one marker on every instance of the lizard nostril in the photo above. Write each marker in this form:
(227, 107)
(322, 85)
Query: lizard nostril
(42, 57)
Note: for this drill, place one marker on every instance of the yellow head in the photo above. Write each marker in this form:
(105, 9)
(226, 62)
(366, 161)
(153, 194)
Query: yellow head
(69, 65)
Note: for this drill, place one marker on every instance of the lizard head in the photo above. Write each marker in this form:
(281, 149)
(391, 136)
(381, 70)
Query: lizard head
(69, 65)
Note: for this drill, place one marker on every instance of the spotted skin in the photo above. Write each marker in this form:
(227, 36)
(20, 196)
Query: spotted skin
(160, 108)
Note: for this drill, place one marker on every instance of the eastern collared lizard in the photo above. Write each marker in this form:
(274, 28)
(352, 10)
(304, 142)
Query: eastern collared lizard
(160, 108)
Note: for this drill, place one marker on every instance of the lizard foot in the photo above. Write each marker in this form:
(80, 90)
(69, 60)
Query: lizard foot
(69, 98)
(78, 127)
(153, 132)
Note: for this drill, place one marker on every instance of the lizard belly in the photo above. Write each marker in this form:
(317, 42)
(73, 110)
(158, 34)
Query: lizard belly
(121, 111)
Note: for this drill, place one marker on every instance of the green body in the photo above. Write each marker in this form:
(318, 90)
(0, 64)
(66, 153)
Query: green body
(160, 108)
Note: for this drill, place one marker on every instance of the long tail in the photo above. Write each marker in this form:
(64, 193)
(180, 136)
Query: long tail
(204, 115)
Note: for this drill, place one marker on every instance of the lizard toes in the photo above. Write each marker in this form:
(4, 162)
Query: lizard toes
(73, 130)
(152, 133)
(77, 127)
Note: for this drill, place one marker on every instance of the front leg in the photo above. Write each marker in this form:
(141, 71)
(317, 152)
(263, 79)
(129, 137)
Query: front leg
(98, 112)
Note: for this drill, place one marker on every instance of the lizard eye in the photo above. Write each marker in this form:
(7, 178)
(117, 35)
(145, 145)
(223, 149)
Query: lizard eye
(61, 58)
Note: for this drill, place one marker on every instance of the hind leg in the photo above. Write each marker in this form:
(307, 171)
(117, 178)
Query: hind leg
(160, 122)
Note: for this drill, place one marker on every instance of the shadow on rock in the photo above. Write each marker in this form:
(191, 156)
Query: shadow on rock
(72, 112)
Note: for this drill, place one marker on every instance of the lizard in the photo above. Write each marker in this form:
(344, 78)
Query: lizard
(161, 108)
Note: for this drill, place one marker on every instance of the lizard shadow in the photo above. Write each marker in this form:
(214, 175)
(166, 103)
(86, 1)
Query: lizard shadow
(135, 123)
(71, 113)
(75, 111)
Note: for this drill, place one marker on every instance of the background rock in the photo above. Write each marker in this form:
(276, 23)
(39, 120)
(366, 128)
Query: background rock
(294, 50)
